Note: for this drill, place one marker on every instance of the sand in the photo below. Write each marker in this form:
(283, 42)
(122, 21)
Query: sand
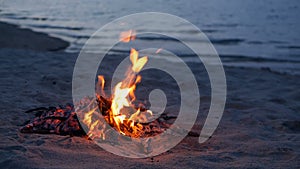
(260, 127)
(12, 36)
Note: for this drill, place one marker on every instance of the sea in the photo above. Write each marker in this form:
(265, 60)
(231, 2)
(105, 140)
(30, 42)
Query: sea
(262, 34)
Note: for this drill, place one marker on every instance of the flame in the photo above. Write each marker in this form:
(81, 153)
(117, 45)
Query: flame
(123, 95)
(127, 36)
(101, 80)
(137, 64)
(101, 83)
(158, 50)
(122, 114)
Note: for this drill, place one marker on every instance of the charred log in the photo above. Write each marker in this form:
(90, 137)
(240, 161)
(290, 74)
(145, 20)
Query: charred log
(63, 120)
(60, 120)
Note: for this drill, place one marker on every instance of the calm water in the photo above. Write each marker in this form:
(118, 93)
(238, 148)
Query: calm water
(254, 33)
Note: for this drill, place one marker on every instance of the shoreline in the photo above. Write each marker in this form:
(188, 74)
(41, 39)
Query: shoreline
(16, 37)
(13, 36)
(259, 129)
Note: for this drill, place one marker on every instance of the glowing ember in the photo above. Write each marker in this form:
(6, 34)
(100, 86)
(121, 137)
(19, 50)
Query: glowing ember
(54, 120)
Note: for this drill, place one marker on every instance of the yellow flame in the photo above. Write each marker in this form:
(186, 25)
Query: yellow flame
(137, 64)
(121, 92)
(122, 96)
(88, 117)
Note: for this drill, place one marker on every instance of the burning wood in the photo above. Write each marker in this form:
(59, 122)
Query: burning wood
(62, 120)
(54, 120)
(119, 111)
(133, 127)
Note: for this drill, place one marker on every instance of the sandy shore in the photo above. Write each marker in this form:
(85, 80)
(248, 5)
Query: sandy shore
(260, 127)
(13, 36)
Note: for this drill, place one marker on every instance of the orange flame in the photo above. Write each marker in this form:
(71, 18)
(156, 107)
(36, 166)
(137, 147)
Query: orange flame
(122, 111)
(127, 36)
(158, 50)
(123, 94)
(101, 83)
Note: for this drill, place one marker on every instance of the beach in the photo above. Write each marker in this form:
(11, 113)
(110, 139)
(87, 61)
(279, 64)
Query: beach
(260, 126)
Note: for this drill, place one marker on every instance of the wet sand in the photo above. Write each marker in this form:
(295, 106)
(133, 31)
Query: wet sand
(12, 36)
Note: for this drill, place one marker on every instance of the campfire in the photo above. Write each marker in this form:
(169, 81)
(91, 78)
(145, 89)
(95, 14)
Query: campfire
(97, 116)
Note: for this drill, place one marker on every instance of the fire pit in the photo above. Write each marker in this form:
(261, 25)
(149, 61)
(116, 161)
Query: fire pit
(118, 111)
